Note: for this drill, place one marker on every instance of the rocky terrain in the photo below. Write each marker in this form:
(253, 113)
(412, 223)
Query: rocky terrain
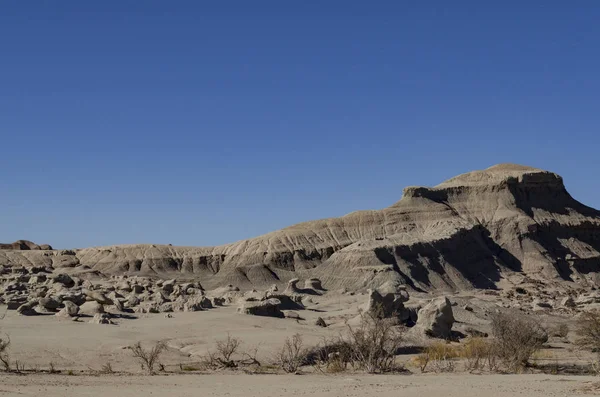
(477, 230)
(512, 231)
(438, 265)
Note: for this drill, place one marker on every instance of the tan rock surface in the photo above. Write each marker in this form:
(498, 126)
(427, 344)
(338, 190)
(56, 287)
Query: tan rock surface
(473, 230)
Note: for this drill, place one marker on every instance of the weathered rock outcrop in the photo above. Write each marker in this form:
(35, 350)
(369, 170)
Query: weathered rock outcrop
(436, 319)
(24, 245)
(468, 232)
(268, 308)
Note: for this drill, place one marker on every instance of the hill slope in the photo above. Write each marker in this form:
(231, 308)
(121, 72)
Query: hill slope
(470, 231)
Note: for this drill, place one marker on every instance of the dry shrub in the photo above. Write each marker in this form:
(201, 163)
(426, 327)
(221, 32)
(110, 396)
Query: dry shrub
(107, 369)
(440, 356)
(374, 343)
(370, 346)
(148, 358)
(4, 357)
(588, 335)
(226, 349)
(588, 330)
(292, 355)
(331, 355)
(228, 354)
(479, 352)
(516, 338)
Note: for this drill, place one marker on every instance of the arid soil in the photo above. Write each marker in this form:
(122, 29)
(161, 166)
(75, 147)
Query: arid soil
(295, 385)
(440, 263)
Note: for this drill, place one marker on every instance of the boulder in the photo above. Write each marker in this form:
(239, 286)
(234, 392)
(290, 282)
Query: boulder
(197, 304)
(132, 300)
(64, 279)
(217, 301)
(168, 286)
(287, 302)
(69, 310)
(292, 287)
(28, 309)
(436, 318)
(267, 308)
(37, 279)
(77, 298)
(320, 322)
(49, 303)
(147, 307)
(97, 296)
(101, 318)
(313, 284)
(293, 315)
(389, 305)
(14, 302)
(91, 308)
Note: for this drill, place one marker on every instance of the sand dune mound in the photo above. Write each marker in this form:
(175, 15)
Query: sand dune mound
(471, 231)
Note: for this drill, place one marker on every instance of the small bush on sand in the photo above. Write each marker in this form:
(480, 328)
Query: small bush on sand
(439, 356)
(332, 355)
(228, 354)
(4, 357)
(374, 343)
(292, 355)
(588, 335)
(107, 369)
(226, 348)
(479, 353)
(516, 338)
(148, 358)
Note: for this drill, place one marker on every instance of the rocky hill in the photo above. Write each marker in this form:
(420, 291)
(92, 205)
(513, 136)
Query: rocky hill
(24, 245)
(476, 230)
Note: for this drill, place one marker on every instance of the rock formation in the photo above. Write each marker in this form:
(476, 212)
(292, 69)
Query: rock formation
(24, 245)
(468, 232)
(436, 319)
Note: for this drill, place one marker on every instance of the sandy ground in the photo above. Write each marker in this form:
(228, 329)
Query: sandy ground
(37, 341)
(81, 348)
(456, 385)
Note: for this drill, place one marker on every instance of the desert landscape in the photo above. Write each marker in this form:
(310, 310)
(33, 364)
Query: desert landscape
(485, 283)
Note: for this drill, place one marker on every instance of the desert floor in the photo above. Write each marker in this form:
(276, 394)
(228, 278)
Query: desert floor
(454, 385)
(79, 349)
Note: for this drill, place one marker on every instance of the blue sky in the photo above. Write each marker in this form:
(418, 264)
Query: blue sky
(201, 123)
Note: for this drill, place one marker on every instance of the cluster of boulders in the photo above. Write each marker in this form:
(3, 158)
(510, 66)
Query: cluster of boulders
(32, 291)
(273, 303)
(537, 296)
(433, 319)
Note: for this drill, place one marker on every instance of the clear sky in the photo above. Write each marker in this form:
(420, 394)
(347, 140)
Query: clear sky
(201, 123)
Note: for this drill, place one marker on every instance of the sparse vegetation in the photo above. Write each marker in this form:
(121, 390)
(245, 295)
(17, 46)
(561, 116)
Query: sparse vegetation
(225, 354)
(479, 352)
(516, 339)
(107, 369)
(4, 356)
(292, 355)
(148, 358)
(588, 335)
(331, 355)
(440, 356)
(374, 343)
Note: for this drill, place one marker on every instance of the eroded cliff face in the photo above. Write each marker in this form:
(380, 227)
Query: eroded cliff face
(468, 232)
